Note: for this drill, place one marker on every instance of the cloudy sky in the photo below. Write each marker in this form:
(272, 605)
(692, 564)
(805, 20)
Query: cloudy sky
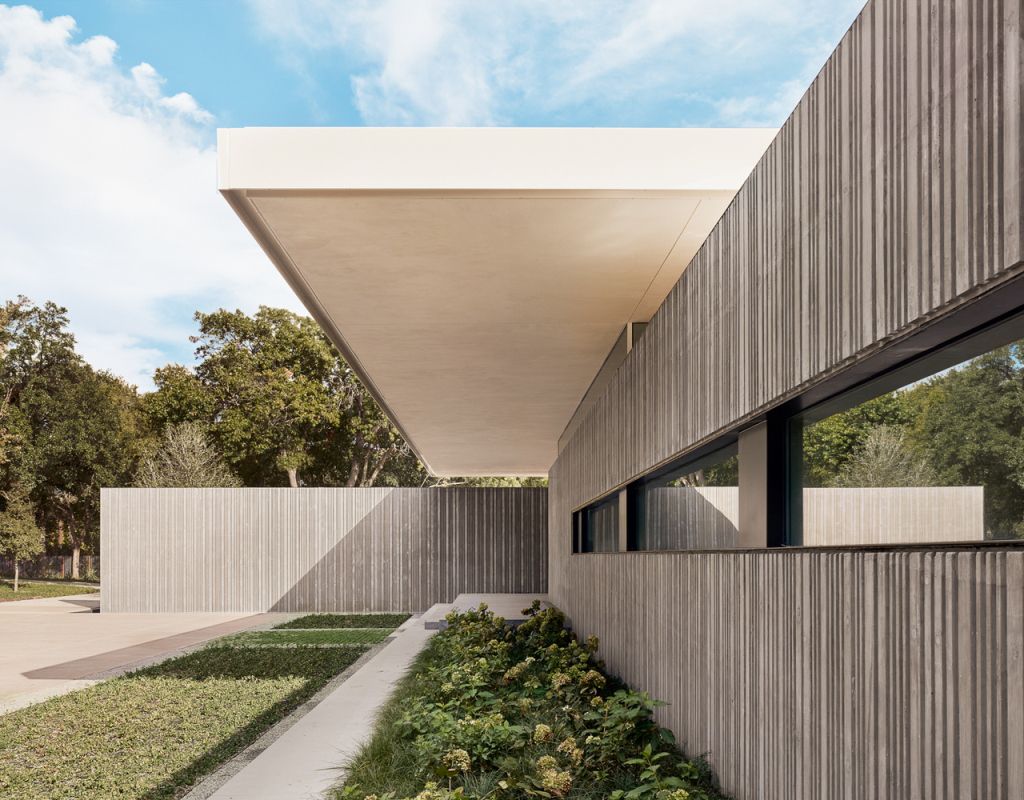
(108, 110)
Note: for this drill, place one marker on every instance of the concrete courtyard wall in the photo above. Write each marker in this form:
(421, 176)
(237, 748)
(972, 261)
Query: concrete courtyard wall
(318, 549)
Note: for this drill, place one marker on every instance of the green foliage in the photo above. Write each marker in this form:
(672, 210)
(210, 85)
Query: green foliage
(831, 443)
(20, 536)
(495, 712)
(33, 590)
(727, 473)
(321, 637)
(493, 482)
(150, 734)
(185, 459)
(65, 429)
(311, 621)
(281, 404)
(179, 398)
(970, 425)
(886, 459)
(84, 437)
(962, 427)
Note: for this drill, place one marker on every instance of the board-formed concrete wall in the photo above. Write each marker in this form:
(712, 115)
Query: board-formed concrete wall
(318, 549)
(890, 201)
(707, 518)
(825, 675)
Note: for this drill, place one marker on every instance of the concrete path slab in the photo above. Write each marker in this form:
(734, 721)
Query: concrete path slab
(508, 606)
(307, 759)
(57, 644)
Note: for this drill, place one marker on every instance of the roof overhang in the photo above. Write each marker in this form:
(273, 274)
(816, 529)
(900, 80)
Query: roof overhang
(476, 278)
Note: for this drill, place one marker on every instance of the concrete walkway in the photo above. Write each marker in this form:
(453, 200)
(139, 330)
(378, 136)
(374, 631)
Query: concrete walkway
(307, 759)
(57, 644)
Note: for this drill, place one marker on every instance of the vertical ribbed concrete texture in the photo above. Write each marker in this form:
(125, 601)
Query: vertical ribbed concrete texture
(825, 675)
(890, 199)
(318, 549)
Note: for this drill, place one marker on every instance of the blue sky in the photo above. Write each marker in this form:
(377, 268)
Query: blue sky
(107, 143)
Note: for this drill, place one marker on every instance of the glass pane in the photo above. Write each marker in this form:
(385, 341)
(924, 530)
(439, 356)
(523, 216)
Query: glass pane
(939, 460)
(600, 532)
(694, 507)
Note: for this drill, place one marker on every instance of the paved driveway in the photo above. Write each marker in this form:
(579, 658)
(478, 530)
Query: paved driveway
(53, 645)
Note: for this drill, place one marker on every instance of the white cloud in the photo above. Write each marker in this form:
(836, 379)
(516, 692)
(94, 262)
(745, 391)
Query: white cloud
(462, 62)
(109, 203)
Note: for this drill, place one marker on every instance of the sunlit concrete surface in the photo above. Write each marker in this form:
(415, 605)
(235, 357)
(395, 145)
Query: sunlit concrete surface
(476, 278)
(55, 645)
(308, 758)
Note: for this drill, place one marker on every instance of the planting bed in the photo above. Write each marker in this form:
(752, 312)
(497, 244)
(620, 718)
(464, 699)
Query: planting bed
(490, 712)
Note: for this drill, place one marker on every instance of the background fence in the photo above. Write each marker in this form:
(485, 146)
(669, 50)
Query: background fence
(318, 549)
(52, 567)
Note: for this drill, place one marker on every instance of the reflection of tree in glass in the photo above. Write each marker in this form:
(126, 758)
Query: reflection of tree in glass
(725, 473)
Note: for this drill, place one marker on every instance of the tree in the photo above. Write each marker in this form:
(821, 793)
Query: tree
(371, 443)
(35, 348)
(185, 459)
(269, 377)
(179, 397)
(970, 423)
(20, 536)
(282, 405)
(85, 436)
(886, 459)
(829, 444)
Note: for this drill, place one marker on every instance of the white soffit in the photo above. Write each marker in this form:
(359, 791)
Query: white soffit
(476, 278)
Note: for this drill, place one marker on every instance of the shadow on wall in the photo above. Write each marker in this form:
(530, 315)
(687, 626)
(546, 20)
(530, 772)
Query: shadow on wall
(689, 518)
(407, 554)
(253, 550)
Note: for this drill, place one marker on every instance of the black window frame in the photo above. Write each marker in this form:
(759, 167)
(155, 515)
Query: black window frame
(1004, 331)
(582, 536)
(709, 455)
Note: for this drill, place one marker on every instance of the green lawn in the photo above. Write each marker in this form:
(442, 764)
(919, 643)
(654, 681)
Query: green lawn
(324, 636)
(151, 734)
(30, 590)
(346, 621)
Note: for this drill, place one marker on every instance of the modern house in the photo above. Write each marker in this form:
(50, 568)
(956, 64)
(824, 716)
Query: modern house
(656, 320)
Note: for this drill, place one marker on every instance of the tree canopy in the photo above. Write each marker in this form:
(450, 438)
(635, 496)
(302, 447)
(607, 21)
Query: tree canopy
(185, 459)
(67, 429)
(282, 404)
(962, 427)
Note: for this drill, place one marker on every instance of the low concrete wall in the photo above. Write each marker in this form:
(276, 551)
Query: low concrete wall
(893, 516)
(819, 674)
(706, 518)
(318, 549)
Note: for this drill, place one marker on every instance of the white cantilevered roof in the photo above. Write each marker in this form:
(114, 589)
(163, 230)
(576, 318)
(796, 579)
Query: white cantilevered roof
(476, 278)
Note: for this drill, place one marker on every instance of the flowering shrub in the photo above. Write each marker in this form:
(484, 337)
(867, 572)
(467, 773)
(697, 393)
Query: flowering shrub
(495, 712)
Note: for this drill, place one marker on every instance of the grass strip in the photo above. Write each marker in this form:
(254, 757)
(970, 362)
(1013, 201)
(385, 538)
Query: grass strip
(32, 590)
(150, 734)
(345, 621)
(324, 636)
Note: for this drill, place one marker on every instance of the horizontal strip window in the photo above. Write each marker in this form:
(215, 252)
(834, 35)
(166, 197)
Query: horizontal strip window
(927, 453)
(596, 527)
(691, 505)
(924, 450)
